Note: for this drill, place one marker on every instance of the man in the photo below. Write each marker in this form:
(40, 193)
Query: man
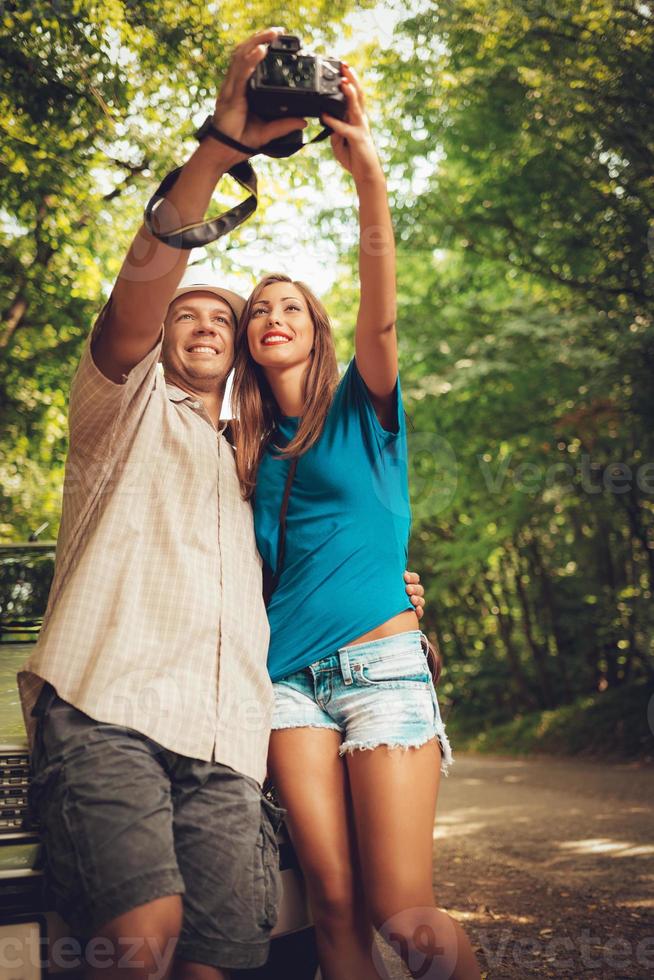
(147, 698)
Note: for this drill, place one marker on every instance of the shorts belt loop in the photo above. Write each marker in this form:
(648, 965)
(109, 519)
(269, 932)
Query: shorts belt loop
(346, 670)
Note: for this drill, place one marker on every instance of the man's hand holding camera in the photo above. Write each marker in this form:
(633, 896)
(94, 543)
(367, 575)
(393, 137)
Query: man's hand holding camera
(231, 114)
(288, 84)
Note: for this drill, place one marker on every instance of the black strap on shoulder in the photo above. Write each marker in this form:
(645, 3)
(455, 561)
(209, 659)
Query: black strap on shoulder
(271, 580)
(281, 545)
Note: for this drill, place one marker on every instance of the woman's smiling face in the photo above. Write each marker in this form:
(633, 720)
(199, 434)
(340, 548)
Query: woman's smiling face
(280, 331)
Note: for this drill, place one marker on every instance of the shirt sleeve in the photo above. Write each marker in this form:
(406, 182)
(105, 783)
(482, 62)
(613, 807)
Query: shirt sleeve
(99, 407)
(354, 397)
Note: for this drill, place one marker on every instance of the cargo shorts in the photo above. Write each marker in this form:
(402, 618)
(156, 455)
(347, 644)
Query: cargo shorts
(125, 821)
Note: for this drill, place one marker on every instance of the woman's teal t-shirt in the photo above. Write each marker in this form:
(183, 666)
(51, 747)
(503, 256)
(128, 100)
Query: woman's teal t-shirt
(347, 529)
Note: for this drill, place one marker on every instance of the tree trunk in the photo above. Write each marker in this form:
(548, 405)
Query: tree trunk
(538, 652)
(606, 565)
(634, 511)
(541, 577)
(12, 318)
(505, 626)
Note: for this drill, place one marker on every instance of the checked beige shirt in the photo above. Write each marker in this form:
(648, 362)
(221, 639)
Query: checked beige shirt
(155, 619)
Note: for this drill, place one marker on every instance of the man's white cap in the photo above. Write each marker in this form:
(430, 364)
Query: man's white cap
(198, 280)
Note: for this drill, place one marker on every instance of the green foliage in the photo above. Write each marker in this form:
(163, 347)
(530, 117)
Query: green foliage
(610, 725)
(519, 143)
(529, 338)
(96, 105)
(518, 137)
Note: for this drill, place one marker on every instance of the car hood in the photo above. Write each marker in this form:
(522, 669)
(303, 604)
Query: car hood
(12, 658)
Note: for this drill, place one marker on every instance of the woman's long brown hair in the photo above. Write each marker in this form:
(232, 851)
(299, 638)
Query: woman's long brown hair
(255, 407)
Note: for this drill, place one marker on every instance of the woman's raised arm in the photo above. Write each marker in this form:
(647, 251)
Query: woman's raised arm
(376, 339)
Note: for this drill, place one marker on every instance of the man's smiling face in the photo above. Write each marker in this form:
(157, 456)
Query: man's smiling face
(198, 344)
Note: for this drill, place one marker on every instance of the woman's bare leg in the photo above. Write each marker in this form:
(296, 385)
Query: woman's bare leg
(312, 784)
(394, 794)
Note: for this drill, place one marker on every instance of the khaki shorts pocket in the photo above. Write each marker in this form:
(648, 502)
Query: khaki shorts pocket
(268, 883)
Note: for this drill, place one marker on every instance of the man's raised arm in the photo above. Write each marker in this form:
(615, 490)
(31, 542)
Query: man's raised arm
(152, 270)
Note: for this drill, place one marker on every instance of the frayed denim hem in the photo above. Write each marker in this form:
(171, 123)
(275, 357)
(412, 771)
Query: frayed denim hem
(447, 759)
(282, 726)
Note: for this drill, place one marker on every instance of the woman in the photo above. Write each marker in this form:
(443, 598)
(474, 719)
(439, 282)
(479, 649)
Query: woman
(349, 671)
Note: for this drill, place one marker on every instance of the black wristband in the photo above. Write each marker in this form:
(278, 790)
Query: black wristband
(209, 129)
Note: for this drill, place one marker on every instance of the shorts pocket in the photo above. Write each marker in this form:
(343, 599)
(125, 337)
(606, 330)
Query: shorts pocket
(268, 885)
(64, 883)
(42, 783)
(407, 669)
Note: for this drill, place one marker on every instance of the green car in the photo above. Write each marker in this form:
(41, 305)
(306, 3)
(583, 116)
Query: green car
(28, 929)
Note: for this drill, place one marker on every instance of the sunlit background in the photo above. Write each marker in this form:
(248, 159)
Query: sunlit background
(518, 144)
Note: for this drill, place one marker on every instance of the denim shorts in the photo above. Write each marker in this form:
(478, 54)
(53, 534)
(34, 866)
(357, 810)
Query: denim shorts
(125, 821)
(377, 693)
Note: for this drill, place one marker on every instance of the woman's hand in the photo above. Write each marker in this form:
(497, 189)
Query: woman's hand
(231, 114)
(351, 140)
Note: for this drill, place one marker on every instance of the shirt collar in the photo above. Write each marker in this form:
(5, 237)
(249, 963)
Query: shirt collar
(176, 394)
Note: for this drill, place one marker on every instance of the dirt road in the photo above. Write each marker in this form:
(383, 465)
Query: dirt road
(549, 863)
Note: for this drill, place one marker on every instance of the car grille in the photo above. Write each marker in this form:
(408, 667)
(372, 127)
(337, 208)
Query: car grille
(14, 783)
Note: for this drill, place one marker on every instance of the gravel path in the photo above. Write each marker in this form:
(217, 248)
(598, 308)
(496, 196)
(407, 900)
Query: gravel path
(549, 864)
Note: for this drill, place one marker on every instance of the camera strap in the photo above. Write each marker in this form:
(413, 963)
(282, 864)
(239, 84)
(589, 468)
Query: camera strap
(270, 578)
(201, 233)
